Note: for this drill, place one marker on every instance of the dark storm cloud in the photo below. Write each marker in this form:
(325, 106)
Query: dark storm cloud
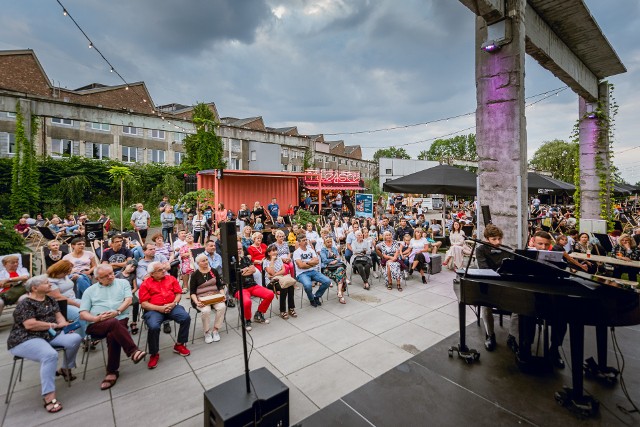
(181, 27)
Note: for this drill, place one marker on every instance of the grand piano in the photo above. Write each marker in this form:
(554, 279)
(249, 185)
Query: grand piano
(543, 291)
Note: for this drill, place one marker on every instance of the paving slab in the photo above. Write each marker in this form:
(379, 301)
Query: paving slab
(294, 353)
(375, 356)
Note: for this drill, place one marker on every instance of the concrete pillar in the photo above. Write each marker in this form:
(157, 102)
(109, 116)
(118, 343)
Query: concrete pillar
(589, 132)
(501, 135)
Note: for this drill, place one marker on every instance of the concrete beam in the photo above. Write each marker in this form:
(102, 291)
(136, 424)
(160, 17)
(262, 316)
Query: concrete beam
(552, 53)
(51, 108)
(490, 10)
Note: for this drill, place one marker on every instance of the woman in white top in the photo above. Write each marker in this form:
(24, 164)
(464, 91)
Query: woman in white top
(457, 238)
(275, 270)
(83, 264)
(339, 232)
(62, 289)
(419, 257)
(312, 235)
(361, 258)
(199, 227)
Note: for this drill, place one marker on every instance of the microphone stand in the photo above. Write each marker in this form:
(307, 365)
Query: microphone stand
(235, 266)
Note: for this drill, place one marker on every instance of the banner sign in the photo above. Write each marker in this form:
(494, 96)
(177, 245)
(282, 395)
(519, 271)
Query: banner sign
(364, 205)
(330, 178)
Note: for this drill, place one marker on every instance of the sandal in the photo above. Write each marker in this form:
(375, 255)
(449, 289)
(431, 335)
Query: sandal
(389, 286)
(66, 374)
(366, 286)
(341, 299)
(108, 383)
(284, 315)
(293, 313)
(134, 328)
(56, 406)
(399, 287)
(138, 356)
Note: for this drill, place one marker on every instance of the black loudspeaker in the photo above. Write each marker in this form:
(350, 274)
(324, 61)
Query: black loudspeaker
(486, 214)
(435, 263)
(229, 246)
(94, 231)
(229, 404)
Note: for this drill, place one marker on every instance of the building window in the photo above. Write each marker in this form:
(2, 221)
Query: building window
(63, 147)
(294, 168)
(235, 146)
(59, 121)
(333, 158)
(97, 151)
(129, 130)
(284, 167)
(285, 152)
(234, 163)
(11, 142)
(179, 137)
(254, 155)
(11, 115)
(177, 157)
(101, 126)
(388, 171)
(157, 156)
(129, 154)
(157, 134)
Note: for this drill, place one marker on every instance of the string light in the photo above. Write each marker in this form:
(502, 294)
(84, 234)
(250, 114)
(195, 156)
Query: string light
(112, 69)
(555, 91)
(406, 144)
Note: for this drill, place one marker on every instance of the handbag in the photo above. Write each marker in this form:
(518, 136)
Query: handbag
(362, 259)
(336, 266)
(207, 288)
(466, 250)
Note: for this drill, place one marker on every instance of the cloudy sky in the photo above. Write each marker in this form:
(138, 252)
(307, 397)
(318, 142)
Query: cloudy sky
(326, 66)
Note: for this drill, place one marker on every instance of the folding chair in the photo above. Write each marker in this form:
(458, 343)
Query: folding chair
(13, 381)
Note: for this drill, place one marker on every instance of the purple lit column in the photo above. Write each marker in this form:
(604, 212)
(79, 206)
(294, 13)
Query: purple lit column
(589, 151)
(501, 135)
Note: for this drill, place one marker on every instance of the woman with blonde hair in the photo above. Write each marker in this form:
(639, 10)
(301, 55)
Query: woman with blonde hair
(62, 288)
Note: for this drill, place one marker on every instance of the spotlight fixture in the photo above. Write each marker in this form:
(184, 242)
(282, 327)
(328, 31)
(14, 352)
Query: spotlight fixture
(590, 110)
(498, 35)
(64, 12)
(90, 45)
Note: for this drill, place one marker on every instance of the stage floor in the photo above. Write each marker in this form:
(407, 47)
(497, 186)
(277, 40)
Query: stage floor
(434, 389)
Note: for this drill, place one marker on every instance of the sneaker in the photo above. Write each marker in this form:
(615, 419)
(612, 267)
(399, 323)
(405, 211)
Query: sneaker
(215, 336)
(247, 325)
(153, 361)
(313, 303)
(259, 318)
(490, 342)
(318, 301)
(166, 327)
(208, 338)
(181, 349)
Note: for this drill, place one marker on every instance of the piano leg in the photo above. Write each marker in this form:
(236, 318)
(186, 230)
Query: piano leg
(574, 398)
(600, 370)
(468, 355)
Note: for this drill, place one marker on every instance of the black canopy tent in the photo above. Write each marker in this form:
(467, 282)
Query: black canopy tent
(442, 179)
(540, 182)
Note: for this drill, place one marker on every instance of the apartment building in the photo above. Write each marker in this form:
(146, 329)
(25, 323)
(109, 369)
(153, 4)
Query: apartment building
(248, 143)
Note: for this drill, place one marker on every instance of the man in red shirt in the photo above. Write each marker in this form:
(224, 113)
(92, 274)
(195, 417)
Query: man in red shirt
(160, 296)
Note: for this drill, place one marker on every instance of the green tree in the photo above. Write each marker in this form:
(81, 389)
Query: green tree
(461, 147)
(391, 153)
(10, 241)
(118, 174)
(25, 191)
(204, 150)
(558, 157)
(307, 160)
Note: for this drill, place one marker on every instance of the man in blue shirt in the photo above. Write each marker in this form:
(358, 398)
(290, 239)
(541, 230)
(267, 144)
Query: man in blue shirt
(274, 209)
(215, 260)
